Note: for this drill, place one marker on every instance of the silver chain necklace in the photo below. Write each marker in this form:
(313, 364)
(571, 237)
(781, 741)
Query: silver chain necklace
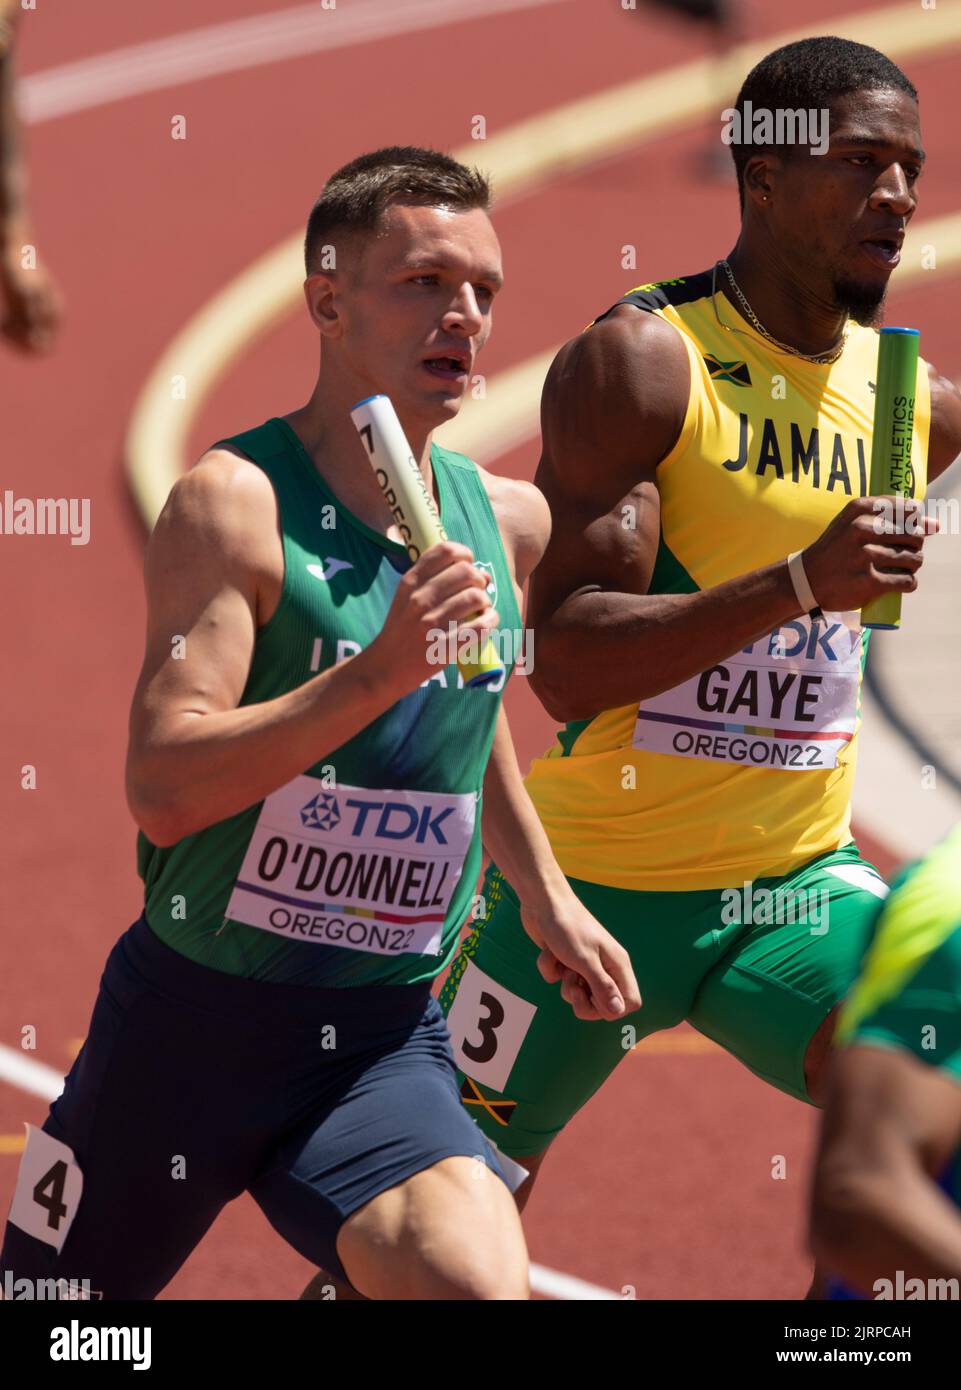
(823, 359)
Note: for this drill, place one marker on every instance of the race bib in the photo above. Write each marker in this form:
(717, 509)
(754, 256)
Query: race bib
(48, 1189)
(487, 1023)
(789, 701)
(356, 867)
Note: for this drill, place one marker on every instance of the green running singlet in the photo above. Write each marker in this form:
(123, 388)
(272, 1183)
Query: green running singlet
(361, 870)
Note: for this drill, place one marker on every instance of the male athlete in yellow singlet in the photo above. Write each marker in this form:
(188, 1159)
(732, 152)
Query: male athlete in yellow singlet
(696, 436)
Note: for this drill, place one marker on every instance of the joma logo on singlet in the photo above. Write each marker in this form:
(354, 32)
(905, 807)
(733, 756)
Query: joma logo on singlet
(827, 461)
(394, 820)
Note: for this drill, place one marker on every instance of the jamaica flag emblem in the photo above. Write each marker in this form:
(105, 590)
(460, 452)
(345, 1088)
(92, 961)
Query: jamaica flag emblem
(500, 1110)
(734, 372)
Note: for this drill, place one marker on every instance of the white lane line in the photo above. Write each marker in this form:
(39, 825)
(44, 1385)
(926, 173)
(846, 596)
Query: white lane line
(40, 1080)
(29, 1075)
(236, 45)
(567, 1286)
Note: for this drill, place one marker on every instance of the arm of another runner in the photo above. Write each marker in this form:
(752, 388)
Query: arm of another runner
(33, 307)
(613, 407)
(945, 442)
(891, 1122)
(194, 756)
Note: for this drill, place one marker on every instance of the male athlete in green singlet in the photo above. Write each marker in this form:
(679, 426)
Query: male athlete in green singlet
(312, 790)
(886, 1216)
(702, 438)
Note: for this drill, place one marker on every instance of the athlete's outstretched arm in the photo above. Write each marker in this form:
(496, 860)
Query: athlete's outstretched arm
(194, 756)
(613, 407)
(891, 1124)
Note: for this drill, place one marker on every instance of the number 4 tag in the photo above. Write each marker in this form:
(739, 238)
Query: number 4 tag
(48, 1189)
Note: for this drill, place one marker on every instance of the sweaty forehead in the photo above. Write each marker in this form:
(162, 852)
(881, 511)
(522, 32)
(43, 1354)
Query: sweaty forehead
(886, 116)
(414, 235)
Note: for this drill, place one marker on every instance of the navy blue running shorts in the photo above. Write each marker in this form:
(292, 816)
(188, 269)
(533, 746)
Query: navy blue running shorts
(194, 1086)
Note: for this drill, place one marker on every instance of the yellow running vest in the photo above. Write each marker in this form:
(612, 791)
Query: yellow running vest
(745, 770)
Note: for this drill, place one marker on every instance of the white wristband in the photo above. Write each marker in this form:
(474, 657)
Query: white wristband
(802, 589)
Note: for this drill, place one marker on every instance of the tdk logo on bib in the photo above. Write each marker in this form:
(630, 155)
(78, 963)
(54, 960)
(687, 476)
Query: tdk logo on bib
(321, 812)
(384, 820)
(397, 820)
(807, 638)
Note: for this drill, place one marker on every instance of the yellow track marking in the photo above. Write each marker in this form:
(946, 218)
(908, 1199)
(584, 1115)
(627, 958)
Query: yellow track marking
(677, 1044)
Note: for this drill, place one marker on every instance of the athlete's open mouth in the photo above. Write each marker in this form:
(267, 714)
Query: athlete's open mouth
(883, 250)
(450, 368)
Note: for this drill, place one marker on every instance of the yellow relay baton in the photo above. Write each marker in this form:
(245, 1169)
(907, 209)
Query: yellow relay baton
(891, 472)
(412, 506)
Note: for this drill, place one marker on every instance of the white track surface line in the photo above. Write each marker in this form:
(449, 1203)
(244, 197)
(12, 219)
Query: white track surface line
(238, 44)
(28, 1075)
(40, 1080)
(566, 1286)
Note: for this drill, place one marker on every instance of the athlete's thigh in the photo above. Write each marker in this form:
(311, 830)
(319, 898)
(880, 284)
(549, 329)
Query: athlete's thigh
(137, 1156)
(450, 1231)
(395, 1112)
(794, 956)
(527, 1063)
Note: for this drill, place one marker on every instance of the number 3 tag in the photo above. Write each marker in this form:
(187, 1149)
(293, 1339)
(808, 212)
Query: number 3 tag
(487, 1025)
(48, 1189)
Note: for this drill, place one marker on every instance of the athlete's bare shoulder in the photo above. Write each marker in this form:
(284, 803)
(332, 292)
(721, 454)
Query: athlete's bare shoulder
(615, 400)
(225, 506)
(613, 407)
(945, 442)
(523, 519)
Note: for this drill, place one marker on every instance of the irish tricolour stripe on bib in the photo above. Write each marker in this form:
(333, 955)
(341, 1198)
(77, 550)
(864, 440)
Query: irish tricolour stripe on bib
(370, 870)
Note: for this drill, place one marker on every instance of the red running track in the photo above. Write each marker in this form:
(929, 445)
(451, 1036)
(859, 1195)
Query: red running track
(664, 1181)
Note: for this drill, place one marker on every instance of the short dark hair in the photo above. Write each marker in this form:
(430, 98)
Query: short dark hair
(355, 198)
(809, 75)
